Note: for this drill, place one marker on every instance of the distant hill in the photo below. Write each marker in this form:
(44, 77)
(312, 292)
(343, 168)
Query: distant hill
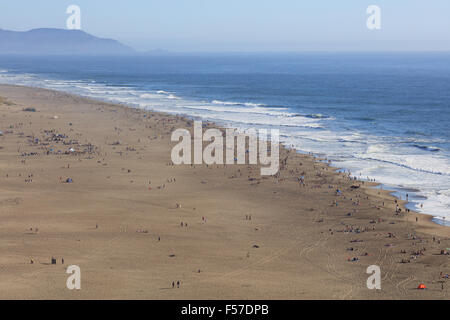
(47, 41)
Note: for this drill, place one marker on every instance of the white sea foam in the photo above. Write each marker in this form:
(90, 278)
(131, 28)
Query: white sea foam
(438, 202)
(257, 110)
(417, 162)
(172, 96)
(148, 96)
(231, 103)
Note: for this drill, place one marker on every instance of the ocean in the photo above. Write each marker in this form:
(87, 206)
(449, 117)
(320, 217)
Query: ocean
(382, 116)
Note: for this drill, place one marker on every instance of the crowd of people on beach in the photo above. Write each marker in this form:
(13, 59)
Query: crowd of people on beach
(52, 142)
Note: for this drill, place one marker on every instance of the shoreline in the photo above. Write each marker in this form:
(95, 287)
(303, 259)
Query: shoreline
(414, 205)
(315, 155)
(368, 149)
(124, 196)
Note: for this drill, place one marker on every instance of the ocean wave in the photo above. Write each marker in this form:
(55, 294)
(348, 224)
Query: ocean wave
(148, 96)
(415, 132)
(158, 95)
(377, 148)
(316, 116)
(230, 103)
(369, 119)
(248, 119)
(257, 110)
(419, 163)
(438, 202)
(427, 148)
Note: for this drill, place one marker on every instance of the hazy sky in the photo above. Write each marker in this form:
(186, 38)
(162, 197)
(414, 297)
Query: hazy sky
(245, 25)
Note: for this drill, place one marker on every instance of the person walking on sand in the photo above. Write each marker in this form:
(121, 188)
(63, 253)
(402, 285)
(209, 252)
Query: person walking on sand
(173, 284)
(178, 284)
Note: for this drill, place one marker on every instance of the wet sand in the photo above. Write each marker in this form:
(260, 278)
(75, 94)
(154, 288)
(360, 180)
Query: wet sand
(120, 218)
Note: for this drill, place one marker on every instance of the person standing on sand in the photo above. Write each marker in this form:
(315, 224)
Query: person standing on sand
(173, 284)
(178, 284)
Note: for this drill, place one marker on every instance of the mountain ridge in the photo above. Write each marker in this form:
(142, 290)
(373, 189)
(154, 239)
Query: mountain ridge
(53, 41)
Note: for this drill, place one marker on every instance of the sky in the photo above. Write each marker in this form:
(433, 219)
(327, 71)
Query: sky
(246, 25)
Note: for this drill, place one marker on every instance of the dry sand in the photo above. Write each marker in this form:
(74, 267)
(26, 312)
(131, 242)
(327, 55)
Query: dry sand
(120, 218)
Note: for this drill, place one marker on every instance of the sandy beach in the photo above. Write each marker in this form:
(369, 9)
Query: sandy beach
(92, 183)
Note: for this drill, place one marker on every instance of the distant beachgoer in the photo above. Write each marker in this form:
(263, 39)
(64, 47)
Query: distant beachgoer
(173, 284)
(178, 284)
